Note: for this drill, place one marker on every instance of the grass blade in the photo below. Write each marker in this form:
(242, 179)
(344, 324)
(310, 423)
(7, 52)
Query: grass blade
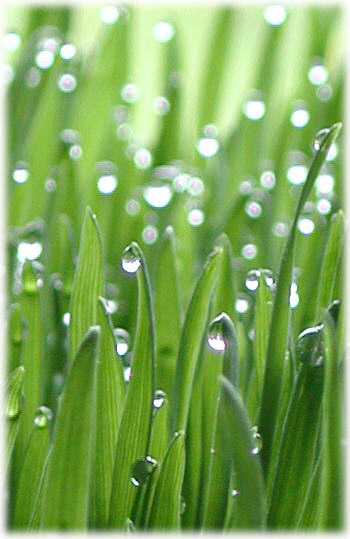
(13, 408)
(279, 328)
(135, 427)
(87, 283)
(248, 478)
(66, 488)
(191, 339)
(166, 507)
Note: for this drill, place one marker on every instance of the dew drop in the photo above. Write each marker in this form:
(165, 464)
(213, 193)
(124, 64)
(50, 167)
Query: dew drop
(182, 505)
(109, 14)
(29, 251)
(306, 226)
(11, 41)
(143, 158)
(180, 182)
(280, 229)
(68, 51)
(44, 59)
(157, 195)
(161, 105)
(42, 417)
(257, 441)
(207, 147)
(275, 15)
(268, 179)
(216, 341)
(107, 184)
(122, 339)
(196, 217)
(254, 109)
(75, 152)
(324, 184)
(195, 186)
(132, 207)
(242, 304)
(158, 399)
(318, 73)
(246, 187)
(141, 470)
(235, 492)
(297, 174)
(66, 319)
(324, 92)
(324, 207)
(127, 373)
(33, 77)
(67, 83)
(20, 173)
(309, 345)
(319, 138)
(131, 259)
(50, 185)
(163, 31)
(253, 209)
(130, 92)
(150, 234)
(300, 117)
(249, 251)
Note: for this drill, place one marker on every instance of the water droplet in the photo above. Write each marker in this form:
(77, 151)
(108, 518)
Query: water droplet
(324, 92)
(11, 41)
(161, 105)
(143, 158)
(124, 131)
(131, 259)
(207, 147)
(33, 77)
(50, 185)
(268, 179)
(130, 92)
(324, 207)
(44, 59)
(252, 280)
(293, 296)
(324, 184)
(253, 209)
(235, 492)
(180, 182)
(67, 83)
(75, 152)
(20, 173)
(132, 207)
(42, 417)
(141, 470)
(68, 51)
(318, 73)
(122, 339)
(66, 319)
(182, 505)
(257, 441)
(107, 184)
(280, 229)
(195, 186)
(69, 136)
(297, 174)
(249, 251)
(242, 304)
(29, 251)
(150, 234)
(210, 130)
(109, 14)
(212, 451)
(163, 31)
(333, 309)
(300, 117)
(127, 373)
(159, 398)
(196, 217)
(157, 195)
(254, 108)
(309, 345)
(246, 187)
(320, 137)
(216, 339)
(306, 226)
(275, 15)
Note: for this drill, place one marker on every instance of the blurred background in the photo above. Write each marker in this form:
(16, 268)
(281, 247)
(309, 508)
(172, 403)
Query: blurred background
(202, 118)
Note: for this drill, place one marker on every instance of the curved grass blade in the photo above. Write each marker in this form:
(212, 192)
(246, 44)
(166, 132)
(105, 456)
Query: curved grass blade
(309, 514)
(16, 336)
(332, 501)
(109, 407)
(220, 459)
(280, 321)
(13, 408)
(191, 339)
(135, 427)
(167, 314)
(296, 454)
(166, 507)
(87, 283)
(330, 262)
(249, 511)
(66, 486)
(32, 468)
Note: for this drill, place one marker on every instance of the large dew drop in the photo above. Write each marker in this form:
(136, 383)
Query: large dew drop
(141, 470)
(159, 398)
(131, 259)
(42, 417)
(257, 441)
(216, 340)
(309, 345)
(319, 138)
(122, 339)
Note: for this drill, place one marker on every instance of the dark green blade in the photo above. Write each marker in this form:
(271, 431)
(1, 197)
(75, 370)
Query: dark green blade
(66, 487)
(135, 427)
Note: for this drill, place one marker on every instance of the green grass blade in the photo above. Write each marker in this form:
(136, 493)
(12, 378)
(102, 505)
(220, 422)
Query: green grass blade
(135, 427)
(296, 454)
(330, 262)
(16, 336)
(166, 507)
(66, 488)
(191, 339)
(309, 514)
(248, 479)
(332, 483)
(32, 467)
(109, 408)
(13, 408)
(167, 314)
(279, 328)
(87, 283)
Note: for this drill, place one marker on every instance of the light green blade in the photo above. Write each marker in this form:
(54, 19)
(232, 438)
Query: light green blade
(32, 468)
(109, 408)
(13, 408)
(16, 336)
(66, 487)
(135, 427)
(166, 507)
(280, 321)
(87, 283)
(191, 339)
(238, 444)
